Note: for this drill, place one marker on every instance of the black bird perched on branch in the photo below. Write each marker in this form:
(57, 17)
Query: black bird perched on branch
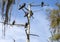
(26, 24)
(22, 6)
(31, 13)
(13, 22)
(26, 14)
(42, 3)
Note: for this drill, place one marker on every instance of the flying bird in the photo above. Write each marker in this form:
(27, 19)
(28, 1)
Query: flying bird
(22, 6)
